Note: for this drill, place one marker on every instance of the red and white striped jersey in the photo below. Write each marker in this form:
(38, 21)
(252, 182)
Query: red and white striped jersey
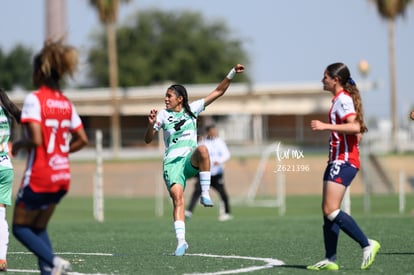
(343, 147)
(48, 165)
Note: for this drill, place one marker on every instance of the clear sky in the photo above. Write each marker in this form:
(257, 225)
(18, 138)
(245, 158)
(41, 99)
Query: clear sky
(288, 41)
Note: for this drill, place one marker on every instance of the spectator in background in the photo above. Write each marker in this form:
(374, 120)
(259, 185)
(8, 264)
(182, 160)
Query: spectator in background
(219, 154)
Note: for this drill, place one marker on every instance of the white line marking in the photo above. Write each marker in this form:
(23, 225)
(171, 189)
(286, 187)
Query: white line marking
(23, 270)
(69, 253)
(269, 264)
(26, 271)
(85, 254)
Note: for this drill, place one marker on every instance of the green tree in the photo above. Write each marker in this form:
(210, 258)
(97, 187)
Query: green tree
(108, 13)
(16, 68)
(157, 46)
(390, 10)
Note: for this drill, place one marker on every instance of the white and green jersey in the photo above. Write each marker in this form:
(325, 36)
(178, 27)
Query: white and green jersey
(5, 162)
(180, 130)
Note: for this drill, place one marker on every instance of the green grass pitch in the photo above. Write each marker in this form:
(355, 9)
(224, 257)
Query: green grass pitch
(132, 240)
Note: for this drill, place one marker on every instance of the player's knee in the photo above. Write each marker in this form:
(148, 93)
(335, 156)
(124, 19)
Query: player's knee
(178, 200)
(203, 151)
(331, 215)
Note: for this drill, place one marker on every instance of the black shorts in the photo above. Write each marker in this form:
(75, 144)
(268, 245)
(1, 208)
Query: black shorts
(30, 200)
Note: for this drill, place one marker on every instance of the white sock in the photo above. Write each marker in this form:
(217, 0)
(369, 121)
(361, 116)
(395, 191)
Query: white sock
(205, 179)
(4, 234)
(179, 227)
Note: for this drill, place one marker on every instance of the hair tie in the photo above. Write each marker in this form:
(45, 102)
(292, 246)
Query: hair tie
(351, 81)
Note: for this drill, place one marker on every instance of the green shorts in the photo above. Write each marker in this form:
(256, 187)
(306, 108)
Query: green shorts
(178, 170)
(6, 186)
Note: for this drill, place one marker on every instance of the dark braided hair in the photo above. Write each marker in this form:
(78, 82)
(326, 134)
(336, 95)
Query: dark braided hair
(181, 91)
(341, 71)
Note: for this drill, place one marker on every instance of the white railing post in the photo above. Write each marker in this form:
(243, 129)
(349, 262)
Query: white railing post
(98, 197)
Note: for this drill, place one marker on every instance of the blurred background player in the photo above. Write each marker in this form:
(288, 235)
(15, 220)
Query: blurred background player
(183, 159)
(52, 130)
(7, 108)
(219, 154)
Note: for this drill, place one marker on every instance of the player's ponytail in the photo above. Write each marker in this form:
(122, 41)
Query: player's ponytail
(341, 71)
(53, 62)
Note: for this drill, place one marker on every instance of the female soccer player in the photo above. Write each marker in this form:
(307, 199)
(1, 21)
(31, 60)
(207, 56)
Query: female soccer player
(7, 109)
(53, 129)
(182, 158)
(346, 125)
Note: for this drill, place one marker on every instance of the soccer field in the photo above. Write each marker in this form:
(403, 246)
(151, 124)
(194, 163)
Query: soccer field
(132, 240)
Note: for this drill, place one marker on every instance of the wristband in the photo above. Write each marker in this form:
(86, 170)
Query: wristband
(231, 73)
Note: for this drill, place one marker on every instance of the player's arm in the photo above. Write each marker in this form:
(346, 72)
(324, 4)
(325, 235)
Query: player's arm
(35, 138)
(150, 132)
(351, 126)
(224, 84)
(78, 138)
(78, 141)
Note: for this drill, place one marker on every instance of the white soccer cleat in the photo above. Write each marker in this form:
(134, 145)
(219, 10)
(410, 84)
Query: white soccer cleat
(323, 265)
(188, 214)
(62, 267)
(368, 254)
(206, 201)
(225, 217)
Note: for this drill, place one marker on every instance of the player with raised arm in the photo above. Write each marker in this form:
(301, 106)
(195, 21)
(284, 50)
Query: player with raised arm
(183, 159)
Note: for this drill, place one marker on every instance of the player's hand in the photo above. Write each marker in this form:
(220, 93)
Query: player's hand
(152, 116)
(239, 68)
(317, 125)
(359, 137)
(412, 115)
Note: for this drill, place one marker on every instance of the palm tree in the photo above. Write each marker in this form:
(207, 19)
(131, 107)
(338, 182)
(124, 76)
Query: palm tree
(390, 10)
(55, 19)
(108, 13)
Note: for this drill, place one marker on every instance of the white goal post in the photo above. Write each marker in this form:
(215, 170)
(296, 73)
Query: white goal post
(98, 194)
(280, 198)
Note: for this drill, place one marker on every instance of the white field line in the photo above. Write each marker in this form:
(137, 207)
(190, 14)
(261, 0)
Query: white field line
(269, 263)
(26, 271)
(69, 253)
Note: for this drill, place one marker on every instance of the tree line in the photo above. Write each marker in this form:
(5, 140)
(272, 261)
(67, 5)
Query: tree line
(153, 46)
